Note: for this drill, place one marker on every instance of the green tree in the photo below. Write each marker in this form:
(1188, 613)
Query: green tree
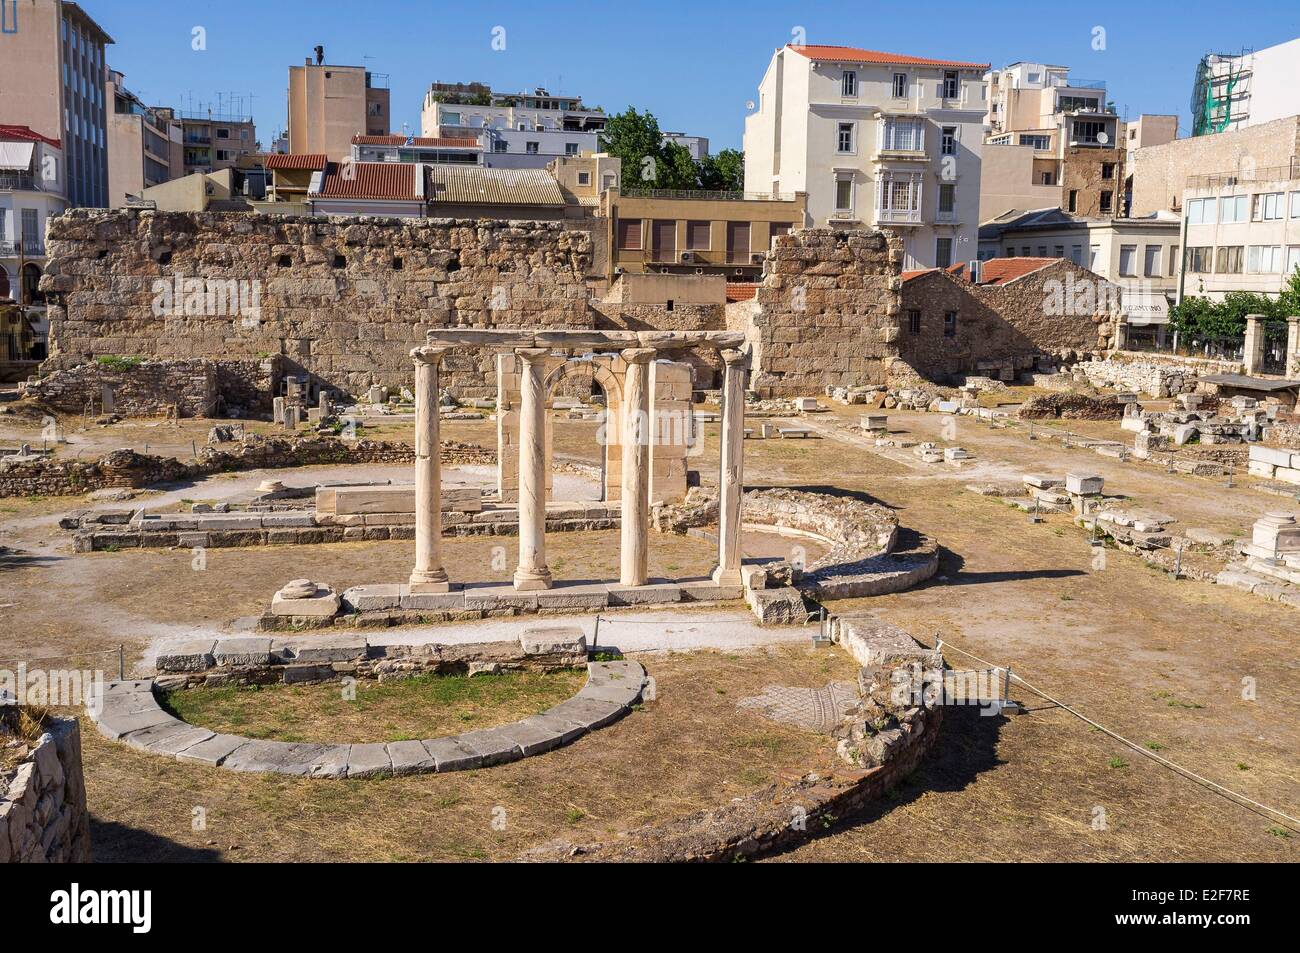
(724, 172)
(635, 139)
(676, 168)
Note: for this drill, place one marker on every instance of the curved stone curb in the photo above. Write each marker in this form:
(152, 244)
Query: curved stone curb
(129, 712)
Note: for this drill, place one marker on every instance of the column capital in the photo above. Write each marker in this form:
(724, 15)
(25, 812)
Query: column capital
(1254, 317)
(1293, 319)
(734, 355)
(428, 353)
(531, 354)
(638, 355)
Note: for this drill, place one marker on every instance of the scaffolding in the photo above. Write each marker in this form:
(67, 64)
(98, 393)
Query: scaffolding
(1221, 92)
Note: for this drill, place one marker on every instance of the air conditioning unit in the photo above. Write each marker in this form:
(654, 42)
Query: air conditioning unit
(756, 258)
(665, 270)
(688, 258)
(619, 270)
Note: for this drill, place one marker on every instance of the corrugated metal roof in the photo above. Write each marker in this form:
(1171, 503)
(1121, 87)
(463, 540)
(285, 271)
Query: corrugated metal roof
(392, 181)
(493, 186)
(299, 161)
(850, 54)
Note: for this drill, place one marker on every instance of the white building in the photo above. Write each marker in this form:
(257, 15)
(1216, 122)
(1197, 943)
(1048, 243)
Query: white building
(1242, 231)
(1234, 91)
(697, 146)
(874, 139)
(32, 190)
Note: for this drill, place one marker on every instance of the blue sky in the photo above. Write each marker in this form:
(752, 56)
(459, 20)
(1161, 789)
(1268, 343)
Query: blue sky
(694, 65)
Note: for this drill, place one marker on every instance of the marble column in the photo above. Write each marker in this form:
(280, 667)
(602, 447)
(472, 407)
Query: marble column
(1293, 345)
(429, 574)
(1253, 357)
(532, 572)
(731, 477)
(638, 431)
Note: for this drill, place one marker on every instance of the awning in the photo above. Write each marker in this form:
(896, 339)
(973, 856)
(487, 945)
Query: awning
(1145, 307)
(16, 156)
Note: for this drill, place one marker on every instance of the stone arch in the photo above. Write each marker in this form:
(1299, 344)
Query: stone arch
(598, 368)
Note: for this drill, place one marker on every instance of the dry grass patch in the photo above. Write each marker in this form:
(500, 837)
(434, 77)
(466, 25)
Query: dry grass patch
(405, 709)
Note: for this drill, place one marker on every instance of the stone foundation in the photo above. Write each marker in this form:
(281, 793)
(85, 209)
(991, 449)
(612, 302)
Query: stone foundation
(43, 817)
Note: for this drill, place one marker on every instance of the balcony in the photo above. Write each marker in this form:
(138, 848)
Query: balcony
(32, 248)
(898, 216)
(22, 182)
(1221, 180)
(948, 217)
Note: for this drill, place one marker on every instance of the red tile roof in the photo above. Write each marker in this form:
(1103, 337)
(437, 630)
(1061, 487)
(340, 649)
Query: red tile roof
(299, 161)
(909, 275)
(741, 291)
(25, 134)
(423, 141)
(852, 54)
(998, 271)
(392, 181)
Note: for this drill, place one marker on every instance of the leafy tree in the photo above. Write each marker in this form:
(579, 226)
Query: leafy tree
(724, 172)
(676, 168)
(1202, 319)
(635, 139)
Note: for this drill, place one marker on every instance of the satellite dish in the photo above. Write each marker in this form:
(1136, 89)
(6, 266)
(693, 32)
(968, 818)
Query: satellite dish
(749, 105)
(1103, 138)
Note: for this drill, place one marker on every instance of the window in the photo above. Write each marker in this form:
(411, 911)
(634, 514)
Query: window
(698, 236)
(1094, 256)
(1058, 251)
(1107, 201)
(1071, 104)
(1267, 207)
(738, 242)
(898, 196)
(951, 85)
(947, 201)
(1151, 261)
(1227, 260)
(1264, 259)
(1200, 211)
(1024, 252)
(1039, 143)
(1047, 178)
(629, 234)
(1088, 131)
(843, 194)
(500, 145)
(913, 322)
(223, 133)
(1042, 251)
(902, 134)
(942, 252)
(584, 178)
(663, 235)
(948, 142)
(849, 83)
(570, 148)
(846, 137)
(1173, 259)
(1198, 260)
(1108, 170)
(4, 213)
(1074, 200)
(1076, 254)
(1295, 204)
(900, 85)
(950, 324)
(530, 148)
(1232, 208)
(1292, 258)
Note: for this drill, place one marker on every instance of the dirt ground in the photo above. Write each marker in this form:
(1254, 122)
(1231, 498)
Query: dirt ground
(1159, 661)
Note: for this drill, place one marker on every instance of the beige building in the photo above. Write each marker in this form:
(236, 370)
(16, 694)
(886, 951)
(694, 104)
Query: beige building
(873, 139)
(215, 141)
(52, 81)
(1056, 139)
(143, 143)
(329, 105)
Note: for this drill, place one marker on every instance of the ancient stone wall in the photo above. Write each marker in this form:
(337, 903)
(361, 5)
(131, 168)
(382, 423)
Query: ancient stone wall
(43, 817)
(826, 312)
(1155, 375)
(195, 387)
(343, 299)
(705, 365)
(1003, 329)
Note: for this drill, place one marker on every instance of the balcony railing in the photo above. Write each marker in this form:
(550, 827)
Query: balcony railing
(1268, 173)
(945, 217)
(898, 216)
(22, 182)
(32, 248)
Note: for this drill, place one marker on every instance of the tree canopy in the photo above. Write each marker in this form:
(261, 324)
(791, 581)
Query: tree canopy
(651, 162)
(1198, 318)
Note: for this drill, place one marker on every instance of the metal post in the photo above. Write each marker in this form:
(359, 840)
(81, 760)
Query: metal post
(121, 662)
(595, 636)
(1230, 469)
(1178, 559)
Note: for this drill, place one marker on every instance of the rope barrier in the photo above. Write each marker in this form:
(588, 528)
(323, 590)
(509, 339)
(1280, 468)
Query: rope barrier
(1238, 798)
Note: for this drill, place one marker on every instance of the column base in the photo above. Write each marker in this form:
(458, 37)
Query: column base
(430, 581)
(727, 577)
(531, 580)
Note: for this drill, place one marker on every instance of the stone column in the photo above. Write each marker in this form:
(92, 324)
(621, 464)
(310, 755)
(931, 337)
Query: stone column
(635, 500)
(1254, 350)
(727, 572)
(428, 575)
(532, 572)
(1293, 346)
(1121, 332)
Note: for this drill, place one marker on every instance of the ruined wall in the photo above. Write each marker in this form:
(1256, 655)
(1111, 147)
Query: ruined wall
(1155, 375)
(195, 387)
(43, 817)
(1081, 171)
(706, 367)
(343, 299)
(1003, 329)
(826, 312)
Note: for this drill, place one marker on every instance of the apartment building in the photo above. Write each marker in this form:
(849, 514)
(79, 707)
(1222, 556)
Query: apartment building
(1053, 139)
(1139, 256)
(1233, 91)
(52, 82)
(466, 151)
(516, 130)
(145, 145)
(328, 105)
(215, 140)
(32, 190)
(875, 139)
(1242, 231)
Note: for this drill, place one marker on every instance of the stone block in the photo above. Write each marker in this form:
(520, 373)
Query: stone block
(325, 647)
(532, 737)
(372, 598)
(274, 757)
(449, 755)
(432, 600)
(242, 650)
(779, 606)
(187, 655)
(658, 592)
(589, 712)
(553, 640)
(568, 596)
(1041, 482)
(369, 761)
(1270, 455)
(214, 750)
(1078, 484)
(374, 499)
(490, 746)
